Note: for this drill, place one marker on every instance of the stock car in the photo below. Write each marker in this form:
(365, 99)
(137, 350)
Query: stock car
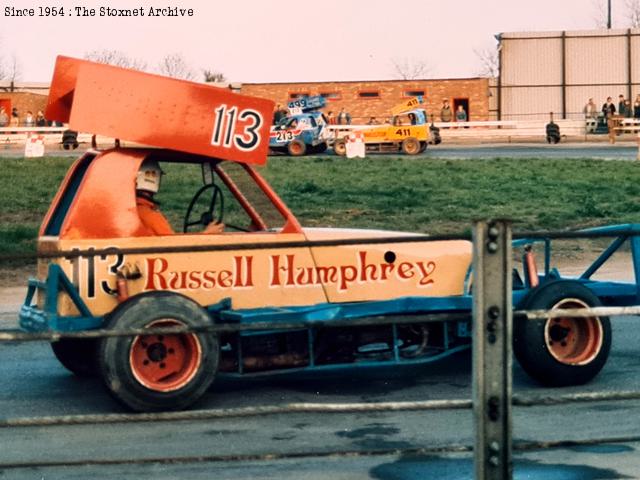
(409, 132)
(101, 269)
(303, 131)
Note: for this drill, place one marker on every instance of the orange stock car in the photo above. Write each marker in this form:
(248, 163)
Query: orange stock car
(101, 267)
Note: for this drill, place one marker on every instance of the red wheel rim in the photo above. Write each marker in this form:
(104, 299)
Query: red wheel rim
(165, 363)
(295, 148)
(573, 341)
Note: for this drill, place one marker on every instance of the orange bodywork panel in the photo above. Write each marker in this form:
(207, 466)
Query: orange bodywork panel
(105, 205)
(159, 111)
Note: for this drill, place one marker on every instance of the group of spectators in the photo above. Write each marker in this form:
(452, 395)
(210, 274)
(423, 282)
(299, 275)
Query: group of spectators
(447, 114)
(29, 119)
(624, 108)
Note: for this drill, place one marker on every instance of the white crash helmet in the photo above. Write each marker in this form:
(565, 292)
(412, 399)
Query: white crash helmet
(148, 177)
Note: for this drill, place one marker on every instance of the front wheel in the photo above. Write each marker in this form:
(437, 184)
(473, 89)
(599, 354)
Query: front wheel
(562, 351)
(159, 372)
(340, 147)
(411, 146)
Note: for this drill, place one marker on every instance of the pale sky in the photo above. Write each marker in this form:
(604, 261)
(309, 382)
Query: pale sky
(287, 40)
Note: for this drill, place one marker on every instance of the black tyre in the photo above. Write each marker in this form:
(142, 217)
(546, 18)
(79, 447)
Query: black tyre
(562, 351)
(423, 147)
(159, 372)
(340, 147)
(411, 146)
(296, 148)
(79, 356)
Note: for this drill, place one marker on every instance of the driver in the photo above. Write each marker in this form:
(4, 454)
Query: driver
(147, 185)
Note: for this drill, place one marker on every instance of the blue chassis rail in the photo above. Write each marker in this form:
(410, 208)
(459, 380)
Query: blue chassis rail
(316, 316)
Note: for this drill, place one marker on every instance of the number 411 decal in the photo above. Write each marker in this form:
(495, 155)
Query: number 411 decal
(225, 126)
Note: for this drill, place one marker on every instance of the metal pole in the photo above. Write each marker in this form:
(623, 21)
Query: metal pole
(609, 14)
(492, 332)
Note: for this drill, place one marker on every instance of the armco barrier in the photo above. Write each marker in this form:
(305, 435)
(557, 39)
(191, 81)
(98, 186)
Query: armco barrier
(492, 374)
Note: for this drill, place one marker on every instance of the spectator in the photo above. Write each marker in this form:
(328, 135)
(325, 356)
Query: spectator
(461, 114)
(608, 108)
(590, 110)
(70, 139)
(622, 108)
(278, 114)
(628, 110)
(28, 120)
(4, 118)
(553, 130)
(412, 119)
(397, 121)
(40, 120)
(343, 117)
(372, 121)
(15, 118)
(636, 107)
(446, 115)
(331, 119)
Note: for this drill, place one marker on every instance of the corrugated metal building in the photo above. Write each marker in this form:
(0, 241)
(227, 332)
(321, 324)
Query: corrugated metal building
(542, 72)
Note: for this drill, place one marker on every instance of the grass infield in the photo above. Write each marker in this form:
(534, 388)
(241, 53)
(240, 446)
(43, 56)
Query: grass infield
(388, 192)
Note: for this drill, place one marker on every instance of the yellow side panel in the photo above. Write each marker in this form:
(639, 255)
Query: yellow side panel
(252, 278)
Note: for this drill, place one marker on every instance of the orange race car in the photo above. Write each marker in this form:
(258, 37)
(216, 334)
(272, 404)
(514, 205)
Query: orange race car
(111, 260)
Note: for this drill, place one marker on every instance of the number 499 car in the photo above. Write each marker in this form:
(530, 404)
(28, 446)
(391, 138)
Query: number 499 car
(111, 259)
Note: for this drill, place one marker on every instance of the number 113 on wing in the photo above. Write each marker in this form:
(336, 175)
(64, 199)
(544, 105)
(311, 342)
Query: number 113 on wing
(236, 128)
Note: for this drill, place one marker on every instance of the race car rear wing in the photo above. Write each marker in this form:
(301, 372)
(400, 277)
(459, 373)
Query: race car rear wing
(159, 111)
(407, 105)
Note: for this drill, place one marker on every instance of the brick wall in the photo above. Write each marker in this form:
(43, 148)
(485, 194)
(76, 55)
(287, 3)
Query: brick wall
(390, 93)
(24, 102)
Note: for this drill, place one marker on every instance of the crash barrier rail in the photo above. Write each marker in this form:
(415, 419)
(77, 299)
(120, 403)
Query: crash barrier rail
(492, 356)
(500, 130)
(619, 125)
(18, 135)
(11, 137)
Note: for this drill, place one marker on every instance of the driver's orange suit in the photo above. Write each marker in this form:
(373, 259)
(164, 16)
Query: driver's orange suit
(157, 224)
(152, 217)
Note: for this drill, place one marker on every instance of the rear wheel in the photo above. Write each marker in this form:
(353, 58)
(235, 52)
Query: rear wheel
(410, 146)
(340, 147)
(159, 372)
(423, 146)
(562, 351)
(296, 148)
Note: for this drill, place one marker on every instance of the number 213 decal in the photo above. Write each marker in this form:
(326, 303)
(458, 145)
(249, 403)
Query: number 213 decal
(225, 126)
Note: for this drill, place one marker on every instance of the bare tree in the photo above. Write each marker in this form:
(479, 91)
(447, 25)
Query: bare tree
(117, 58)
(489, 62)
(410, 69)
(633, 13)
(211, 76)
(14, 70)
(600, 16)
(174, 65)
(3, 68)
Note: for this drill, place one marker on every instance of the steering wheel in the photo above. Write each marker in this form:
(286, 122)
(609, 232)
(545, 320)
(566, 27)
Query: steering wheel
(215, 211)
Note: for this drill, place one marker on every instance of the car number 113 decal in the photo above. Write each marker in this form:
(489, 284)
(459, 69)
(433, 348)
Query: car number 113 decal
(233, 128)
